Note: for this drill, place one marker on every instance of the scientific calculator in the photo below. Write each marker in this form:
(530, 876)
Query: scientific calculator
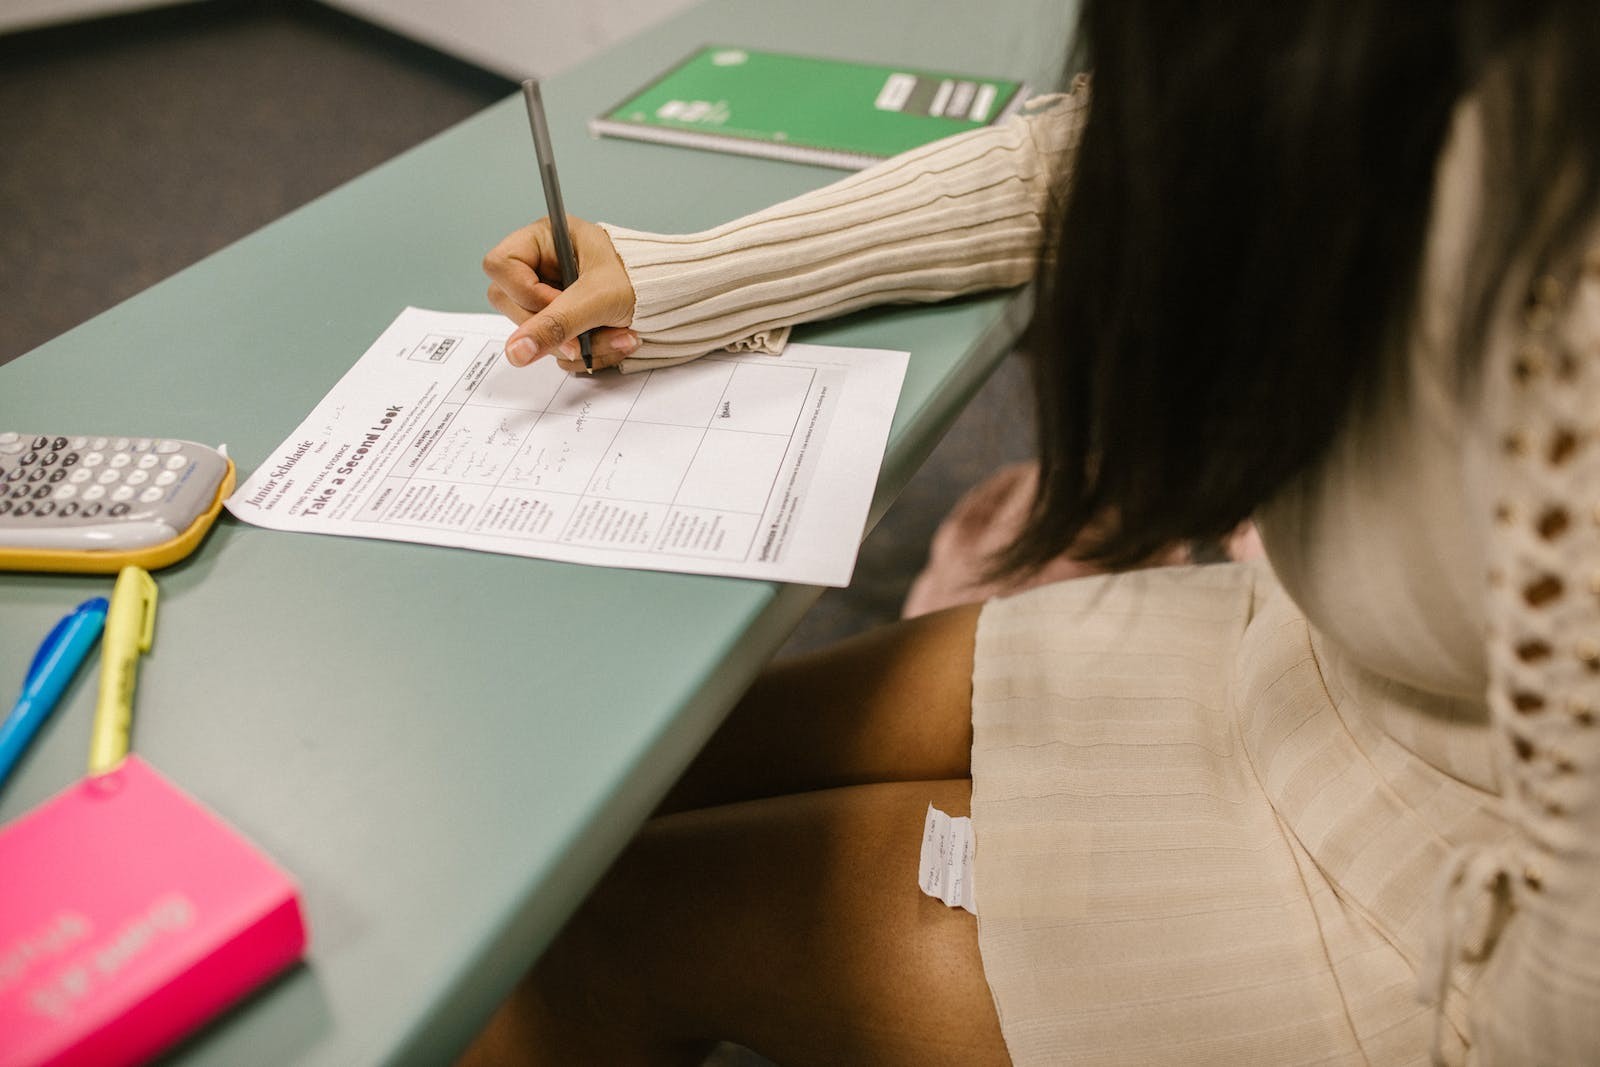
(72, 502)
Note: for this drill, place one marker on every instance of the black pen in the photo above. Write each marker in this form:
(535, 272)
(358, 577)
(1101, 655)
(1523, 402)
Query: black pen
(552, 200)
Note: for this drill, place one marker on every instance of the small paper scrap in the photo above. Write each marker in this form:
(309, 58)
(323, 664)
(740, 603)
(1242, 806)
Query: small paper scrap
(946, 867)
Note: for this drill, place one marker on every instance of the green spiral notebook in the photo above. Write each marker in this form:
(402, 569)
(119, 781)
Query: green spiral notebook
(806, 109)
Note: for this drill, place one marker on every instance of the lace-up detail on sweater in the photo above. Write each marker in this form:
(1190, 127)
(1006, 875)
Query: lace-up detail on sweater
(1531, 908)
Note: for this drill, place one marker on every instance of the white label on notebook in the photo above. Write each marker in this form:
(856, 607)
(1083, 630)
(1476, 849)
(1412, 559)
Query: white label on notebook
(984, 101)
(945, 870)
(960, 100)
(895, 92)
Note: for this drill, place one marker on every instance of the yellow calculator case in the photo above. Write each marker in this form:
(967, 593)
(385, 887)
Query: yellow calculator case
(95, 504)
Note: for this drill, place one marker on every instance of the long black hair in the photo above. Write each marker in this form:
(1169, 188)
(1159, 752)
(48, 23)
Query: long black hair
(1236, 255)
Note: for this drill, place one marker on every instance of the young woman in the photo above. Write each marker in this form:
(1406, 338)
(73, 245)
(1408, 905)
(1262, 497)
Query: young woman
(1334, 265)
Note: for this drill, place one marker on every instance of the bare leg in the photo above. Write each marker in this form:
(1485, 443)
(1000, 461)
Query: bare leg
(793, 924)
(891, 705)
(790, 925)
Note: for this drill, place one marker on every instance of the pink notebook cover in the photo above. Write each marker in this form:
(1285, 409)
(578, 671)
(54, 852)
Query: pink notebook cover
(129, 915)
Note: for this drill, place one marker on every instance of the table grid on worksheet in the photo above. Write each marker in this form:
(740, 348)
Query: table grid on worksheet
(509, 447)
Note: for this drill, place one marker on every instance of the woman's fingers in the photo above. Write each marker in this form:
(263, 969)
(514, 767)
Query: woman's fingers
(503, 303)
(519, 264)
(594, 300)
(525, 267)
(549, 320)
(609, 347)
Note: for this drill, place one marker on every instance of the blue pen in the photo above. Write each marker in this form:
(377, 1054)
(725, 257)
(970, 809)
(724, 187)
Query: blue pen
(64, 649)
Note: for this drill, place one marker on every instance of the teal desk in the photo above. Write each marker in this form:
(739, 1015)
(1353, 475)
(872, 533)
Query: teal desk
(446, 747)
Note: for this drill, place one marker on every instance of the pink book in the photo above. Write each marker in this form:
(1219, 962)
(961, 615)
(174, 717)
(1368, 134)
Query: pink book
(129, 915)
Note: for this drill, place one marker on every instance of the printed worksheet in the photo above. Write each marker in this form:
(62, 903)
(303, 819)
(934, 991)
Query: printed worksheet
(744, 465)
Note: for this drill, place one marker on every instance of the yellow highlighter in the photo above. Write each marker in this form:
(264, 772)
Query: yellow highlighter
(130, 627)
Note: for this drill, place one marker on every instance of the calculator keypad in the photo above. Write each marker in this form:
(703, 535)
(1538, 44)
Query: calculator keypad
(59, 481)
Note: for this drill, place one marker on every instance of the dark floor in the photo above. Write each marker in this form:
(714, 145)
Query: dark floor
(131, 147)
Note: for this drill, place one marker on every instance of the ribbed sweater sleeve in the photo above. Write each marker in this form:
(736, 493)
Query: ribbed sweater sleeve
(957, 216)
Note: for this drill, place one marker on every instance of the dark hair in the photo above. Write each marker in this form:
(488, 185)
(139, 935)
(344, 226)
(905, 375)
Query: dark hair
(1236, 255)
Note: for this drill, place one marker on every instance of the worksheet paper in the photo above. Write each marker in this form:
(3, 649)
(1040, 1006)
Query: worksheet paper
(745, 465)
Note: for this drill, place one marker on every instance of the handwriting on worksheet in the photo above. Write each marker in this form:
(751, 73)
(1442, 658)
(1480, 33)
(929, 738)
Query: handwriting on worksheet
(751, 466)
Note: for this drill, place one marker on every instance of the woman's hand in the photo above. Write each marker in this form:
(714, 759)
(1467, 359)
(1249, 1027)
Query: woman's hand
(521, 269)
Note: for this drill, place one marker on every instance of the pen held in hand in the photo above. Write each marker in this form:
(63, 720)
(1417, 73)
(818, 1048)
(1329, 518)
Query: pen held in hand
(545, 152)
